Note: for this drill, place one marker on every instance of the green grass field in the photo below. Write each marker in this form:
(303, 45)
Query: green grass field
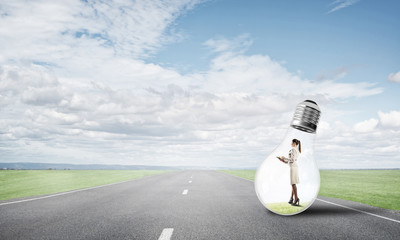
(23, 183)
(379, 188)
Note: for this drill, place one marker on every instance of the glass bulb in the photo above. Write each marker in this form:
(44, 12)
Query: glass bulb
(272, 181)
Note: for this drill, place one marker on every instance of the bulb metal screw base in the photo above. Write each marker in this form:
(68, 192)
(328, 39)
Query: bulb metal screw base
(306, 116)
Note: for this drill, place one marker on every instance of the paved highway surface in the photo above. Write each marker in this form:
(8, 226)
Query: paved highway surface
(187, 205)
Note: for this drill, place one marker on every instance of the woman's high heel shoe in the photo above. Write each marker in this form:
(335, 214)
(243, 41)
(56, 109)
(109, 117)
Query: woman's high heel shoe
(297, 203)
(290, 201)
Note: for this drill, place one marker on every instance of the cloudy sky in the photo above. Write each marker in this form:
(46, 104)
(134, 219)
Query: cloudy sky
(197, 83)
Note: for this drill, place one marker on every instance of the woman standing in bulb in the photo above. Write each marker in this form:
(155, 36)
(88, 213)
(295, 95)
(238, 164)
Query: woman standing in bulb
(294, 171)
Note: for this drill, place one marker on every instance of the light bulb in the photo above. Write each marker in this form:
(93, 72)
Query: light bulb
(273, 177)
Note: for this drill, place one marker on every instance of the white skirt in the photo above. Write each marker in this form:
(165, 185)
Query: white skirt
(294, 175)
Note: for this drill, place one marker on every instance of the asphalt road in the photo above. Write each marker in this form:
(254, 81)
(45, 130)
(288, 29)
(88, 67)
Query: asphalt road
(213, 205)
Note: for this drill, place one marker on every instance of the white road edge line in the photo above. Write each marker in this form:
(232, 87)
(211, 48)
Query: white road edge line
(166, 234)
(185, 192)
(73, 191)
(375, 215)
(390, 219)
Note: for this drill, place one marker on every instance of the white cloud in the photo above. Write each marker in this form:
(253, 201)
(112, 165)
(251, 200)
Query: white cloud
(260, 72)
(339, 4)
(394, 77)
(368, 144)
(390, 119)
(53, 31)
(366, 126)
(162, 123)
(221, 44)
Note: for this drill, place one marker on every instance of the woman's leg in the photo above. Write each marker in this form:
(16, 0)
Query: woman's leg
(291, 197)
(295, 192)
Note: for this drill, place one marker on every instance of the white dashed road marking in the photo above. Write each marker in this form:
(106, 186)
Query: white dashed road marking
(185, 192)
(190, 181)
(166, 234)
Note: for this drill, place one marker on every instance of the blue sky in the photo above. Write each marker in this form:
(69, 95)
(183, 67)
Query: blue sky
(197, 83)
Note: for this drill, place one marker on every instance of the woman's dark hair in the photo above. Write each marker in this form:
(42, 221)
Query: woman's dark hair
(297, 142)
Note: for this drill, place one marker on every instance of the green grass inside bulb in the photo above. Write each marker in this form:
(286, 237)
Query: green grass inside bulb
(286, 208)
